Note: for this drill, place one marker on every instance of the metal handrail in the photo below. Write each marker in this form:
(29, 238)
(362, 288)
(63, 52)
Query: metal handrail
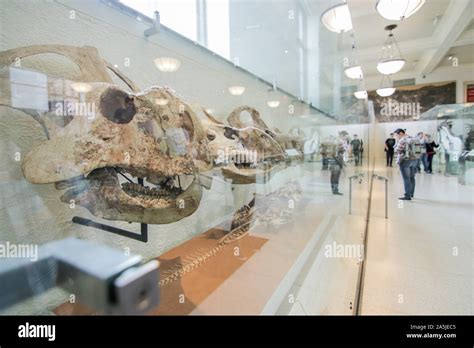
(359, 176)
(379, 177)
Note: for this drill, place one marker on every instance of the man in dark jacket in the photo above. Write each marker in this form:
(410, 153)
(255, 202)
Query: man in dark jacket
(356, 145)
(389, 149)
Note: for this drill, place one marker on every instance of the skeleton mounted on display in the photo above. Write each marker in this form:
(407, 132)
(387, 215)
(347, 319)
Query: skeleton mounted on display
(452, 144)
(129, 135)
(152, 136)
(136, 156)
(454, 148)
(241, 153)
(311, 146)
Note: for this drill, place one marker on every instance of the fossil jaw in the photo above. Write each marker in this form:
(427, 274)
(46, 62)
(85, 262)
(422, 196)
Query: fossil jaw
(108, 195)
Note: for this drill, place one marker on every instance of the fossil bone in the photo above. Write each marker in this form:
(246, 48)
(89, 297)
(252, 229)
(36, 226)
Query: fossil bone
(240, 227)
(153, 136)
(242, 153)
(128, 135)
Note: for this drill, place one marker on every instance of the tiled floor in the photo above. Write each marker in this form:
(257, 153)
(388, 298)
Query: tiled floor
(291, 264)
(420, 260)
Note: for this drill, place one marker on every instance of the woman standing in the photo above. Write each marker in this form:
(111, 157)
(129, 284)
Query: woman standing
(430, 152)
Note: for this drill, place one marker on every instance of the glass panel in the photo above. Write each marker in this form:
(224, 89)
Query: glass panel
(179, 15)
(236, 154)
(217, 20)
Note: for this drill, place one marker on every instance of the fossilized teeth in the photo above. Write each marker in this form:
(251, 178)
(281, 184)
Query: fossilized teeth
(140, 190)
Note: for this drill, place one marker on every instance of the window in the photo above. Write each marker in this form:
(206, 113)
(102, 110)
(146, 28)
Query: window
(218, 27)
(186, 16)
(178, 15)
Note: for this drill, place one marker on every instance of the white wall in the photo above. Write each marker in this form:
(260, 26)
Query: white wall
(260, 34)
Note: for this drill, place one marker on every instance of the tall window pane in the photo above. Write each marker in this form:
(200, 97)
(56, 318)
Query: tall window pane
(178, 15)
(218, 27)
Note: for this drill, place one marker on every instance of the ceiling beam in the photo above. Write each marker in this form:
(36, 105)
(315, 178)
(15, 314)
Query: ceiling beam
(467, 38)
(455, 21)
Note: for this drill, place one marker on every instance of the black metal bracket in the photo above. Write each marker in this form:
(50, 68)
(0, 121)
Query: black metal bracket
(142, 237)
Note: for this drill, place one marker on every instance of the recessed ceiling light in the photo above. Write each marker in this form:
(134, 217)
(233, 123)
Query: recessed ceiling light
(236, 90)
(167, 64)
(273, 103)
(81, 87)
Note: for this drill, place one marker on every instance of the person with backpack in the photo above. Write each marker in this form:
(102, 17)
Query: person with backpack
(356, 146)
(407, 160)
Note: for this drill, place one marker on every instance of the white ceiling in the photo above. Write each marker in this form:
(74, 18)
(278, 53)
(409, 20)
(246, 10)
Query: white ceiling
(439, 28)
(369, 25)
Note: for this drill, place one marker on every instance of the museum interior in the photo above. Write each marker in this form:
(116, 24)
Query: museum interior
(236, 157)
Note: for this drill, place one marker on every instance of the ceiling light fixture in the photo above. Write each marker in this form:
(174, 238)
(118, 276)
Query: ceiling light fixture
(337, 18)
(167, 64)
(273, 102)
(386, 90)
(361, 92)
(236, 90)
(392, 60)
(354, 70)
(397, 10)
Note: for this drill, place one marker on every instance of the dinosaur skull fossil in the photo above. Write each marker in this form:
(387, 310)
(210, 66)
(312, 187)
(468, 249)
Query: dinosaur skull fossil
(242, 153)
(151, 136)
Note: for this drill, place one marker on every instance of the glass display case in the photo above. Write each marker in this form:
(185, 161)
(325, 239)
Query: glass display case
(182, 147)
(455, 136)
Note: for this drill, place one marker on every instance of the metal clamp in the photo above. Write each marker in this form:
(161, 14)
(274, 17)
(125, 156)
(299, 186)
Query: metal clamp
(358, 176)
(100, 277)
(155, 29)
